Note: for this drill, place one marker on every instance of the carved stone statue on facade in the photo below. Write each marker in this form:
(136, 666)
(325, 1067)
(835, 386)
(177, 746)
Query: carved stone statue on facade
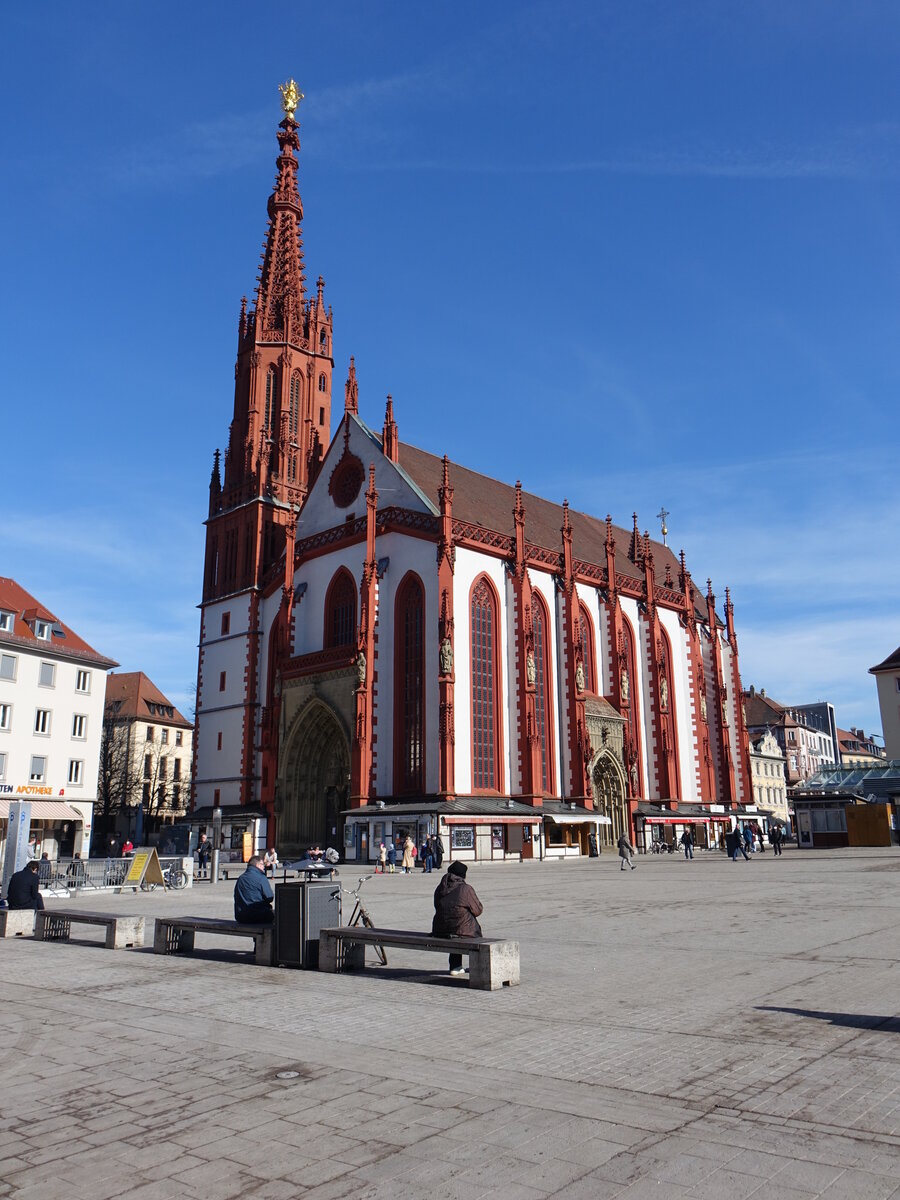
(702, 706)
(361, 668)
(446, 657)
(579, 676)
(530, 668)
(623, 685)
(663, 693)
(634, 778)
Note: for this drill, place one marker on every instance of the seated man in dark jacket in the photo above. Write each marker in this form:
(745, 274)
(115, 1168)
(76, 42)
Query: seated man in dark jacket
(253, 895)
(23, 888)
(456, 908)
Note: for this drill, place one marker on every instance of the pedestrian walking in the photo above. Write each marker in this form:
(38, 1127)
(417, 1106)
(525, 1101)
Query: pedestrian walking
(204, 854)
(392, 857)
(775, 835)
(736, 844)
(427, 856)
(382, 859)
(626, 851)
(438, 850)
(687, 842)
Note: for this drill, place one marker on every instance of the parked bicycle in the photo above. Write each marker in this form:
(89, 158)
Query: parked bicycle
(174, 878)
(360, 914)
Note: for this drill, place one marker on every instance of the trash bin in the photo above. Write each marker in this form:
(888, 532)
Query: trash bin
(302, 910)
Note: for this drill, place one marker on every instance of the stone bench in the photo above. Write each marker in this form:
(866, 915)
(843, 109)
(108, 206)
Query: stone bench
(175, 935)
(55, 925)
(493, 962)
(16, 922)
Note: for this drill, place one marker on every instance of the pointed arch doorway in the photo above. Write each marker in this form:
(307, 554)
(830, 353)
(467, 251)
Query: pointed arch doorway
(608, 783)
(314, 783)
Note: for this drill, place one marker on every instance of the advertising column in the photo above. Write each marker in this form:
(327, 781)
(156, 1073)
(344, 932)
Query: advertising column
(18, 828)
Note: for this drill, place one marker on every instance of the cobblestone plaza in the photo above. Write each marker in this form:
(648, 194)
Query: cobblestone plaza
(695, 1030)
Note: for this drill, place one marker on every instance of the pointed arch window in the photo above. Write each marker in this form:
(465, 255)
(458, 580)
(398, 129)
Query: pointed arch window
(543, 693)
(294, 422)
(630, 665)
(587, 648)
(340, 611)
(485, 687)
(409, 687)
(323, 383)
(271, 393)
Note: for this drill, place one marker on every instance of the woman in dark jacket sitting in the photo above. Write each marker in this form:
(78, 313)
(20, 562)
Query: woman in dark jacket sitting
(456, 909)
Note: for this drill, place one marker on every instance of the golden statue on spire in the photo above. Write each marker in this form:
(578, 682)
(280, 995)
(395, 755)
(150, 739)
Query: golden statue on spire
(290, 98)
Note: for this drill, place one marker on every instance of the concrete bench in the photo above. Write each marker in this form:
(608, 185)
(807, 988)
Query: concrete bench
(175, 935)
(55, 925)
(16, 922)
(493, 962)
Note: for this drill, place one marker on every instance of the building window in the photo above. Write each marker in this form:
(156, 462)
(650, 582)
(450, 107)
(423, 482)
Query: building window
(462, 837)
(321, 416)
(76, 771)
(221, 681)
(8, 666)
(323, 383)
(176, 768)
(226, 623)
(145, 793)
(5, 716)
(219, 740)
(340, 610)
(38, 769)
(42, 720)
(294, 422)
(271, 394)
(42, 630)
(2, 766)
(485, 687)
(409, 687)
(150, 734)
(216, 796)
(587, 648)
(164, 737)
(179, 737)
(542, 693)
(148, 766)
(47, 675)
(79, 726)
(82, 681)
(6, 621)
(628, 662)
(163, 771)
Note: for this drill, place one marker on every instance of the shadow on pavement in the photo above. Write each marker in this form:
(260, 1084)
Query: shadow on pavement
(848, 1020)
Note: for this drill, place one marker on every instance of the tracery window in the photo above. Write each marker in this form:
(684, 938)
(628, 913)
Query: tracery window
(587, 648)
(294, 421)
(340, 610)
(270, 397)
(323, 382)
(409, 687)
(485, 687)
(542, 691)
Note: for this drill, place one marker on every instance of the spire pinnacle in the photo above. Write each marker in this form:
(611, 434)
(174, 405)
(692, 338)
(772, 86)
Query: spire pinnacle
(351, 389)
(635, 548)
(281, 279)
(389, 437)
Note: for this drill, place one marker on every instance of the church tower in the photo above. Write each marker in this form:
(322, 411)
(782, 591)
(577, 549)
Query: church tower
(282, 395)
(279, 431)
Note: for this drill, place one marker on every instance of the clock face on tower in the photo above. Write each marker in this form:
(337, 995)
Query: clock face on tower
(346, 480)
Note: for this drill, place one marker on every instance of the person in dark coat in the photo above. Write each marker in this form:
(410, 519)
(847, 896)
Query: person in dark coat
(23, 888)
(438, 850)
(253, 895)
(456, 911)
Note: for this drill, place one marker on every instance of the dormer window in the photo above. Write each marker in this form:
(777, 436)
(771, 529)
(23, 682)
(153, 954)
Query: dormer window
(6, 621)
(42, 630)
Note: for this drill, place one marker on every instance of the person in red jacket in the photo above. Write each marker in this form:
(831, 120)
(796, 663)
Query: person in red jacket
(456, 909)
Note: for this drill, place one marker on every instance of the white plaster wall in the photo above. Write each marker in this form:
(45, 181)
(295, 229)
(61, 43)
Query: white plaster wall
(640, 687)
(469, 565)
(20, 742)
(542, 581)
(888, 685)
(219, 711)
(680, 683)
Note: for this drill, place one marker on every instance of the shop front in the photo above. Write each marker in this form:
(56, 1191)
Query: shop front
(61, 828)
(575, 834)
(244, 831)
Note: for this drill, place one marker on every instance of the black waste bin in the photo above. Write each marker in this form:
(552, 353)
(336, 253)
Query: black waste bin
(302, 910)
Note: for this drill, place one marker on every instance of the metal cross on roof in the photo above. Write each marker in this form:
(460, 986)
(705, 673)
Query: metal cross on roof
(662, 514)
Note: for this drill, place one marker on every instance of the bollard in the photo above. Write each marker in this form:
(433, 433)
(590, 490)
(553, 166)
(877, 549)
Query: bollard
(216, 841)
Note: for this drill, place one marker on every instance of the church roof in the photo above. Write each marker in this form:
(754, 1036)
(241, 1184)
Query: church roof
(489, 503)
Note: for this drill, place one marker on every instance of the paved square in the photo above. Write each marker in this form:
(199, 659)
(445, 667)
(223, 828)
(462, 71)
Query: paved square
(706, 1029)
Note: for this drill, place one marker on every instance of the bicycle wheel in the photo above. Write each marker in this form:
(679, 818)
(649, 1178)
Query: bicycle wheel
(177, 878)
(149, 887)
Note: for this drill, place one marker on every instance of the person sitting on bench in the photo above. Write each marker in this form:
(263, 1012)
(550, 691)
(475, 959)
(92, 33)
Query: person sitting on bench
(253, 896)
(456, 909)
(23, 888)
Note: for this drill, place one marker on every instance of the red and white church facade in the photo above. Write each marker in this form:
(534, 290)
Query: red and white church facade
(393, 644)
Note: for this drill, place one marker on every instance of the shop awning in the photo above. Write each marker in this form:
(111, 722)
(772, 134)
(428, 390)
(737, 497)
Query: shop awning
(675, 819)
(572, 819)
(493, 820)
(44, 810)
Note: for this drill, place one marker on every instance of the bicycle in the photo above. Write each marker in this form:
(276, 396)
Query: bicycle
(360, 914)
(174, 878)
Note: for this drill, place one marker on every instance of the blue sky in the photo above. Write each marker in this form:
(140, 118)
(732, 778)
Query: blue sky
(635, 254)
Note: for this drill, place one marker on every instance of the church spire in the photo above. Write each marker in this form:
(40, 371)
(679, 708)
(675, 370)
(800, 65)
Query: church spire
(281, 282)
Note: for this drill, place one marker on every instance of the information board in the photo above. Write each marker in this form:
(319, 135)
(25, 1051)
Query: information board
(144, 869)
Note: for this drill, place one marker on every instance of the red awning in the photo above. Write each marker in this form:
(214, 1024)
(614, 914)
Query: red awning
(482, 820)
(675, 819)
